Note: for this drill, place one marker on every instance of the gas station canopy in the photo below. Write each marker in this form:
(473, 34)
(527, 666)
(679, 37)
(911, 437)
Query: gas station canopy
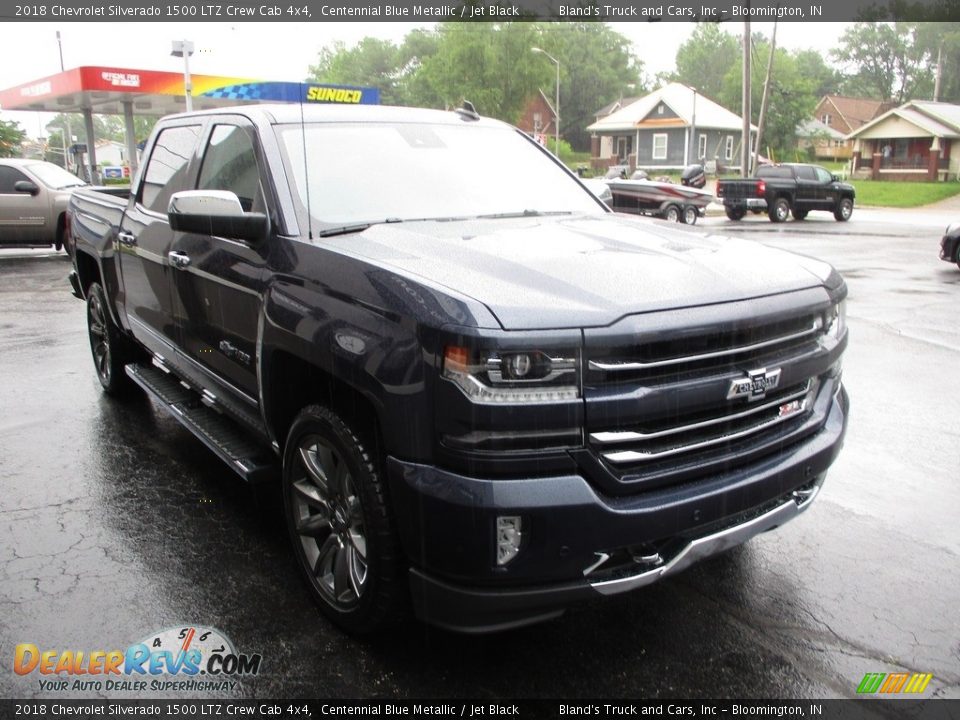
(126, 91)
(105, 90)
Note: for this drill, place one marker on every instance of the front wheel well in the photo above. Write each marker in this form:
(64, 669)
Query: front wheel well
(295, 383)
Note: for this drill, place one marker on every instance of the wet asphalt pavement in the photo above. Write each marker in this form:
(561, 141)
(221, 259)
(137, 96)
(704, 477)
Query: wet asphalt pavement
(116, 523)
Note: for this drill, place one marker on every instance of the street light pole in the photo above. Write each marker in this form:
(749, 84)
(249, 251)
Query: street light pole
(556, 109)
(66, 133)
(184, 49)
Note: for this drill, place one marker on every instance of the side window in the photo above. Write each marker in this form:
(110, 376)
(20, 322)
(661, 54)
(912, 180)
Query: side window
(823, 176)
(8, 178)
(659, 146)
(230, 163)
(167, 167)
(805, 172)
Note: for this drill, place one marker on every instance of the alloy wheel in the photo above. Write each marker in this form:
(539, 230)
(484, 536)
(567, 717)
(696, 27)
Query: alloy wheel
(329, 522)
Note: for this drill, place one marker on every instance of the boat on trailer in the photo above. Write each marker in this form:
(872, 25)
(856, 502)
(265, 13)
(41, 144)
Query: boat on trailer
(667, 200)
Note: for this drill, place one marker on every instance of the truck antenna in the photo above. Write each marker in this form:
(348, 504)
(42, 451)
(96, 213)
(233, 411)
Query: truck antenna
(306, 168)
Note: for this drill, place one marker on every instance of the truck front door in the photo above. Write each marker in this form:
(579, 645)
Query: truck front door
(218, 285)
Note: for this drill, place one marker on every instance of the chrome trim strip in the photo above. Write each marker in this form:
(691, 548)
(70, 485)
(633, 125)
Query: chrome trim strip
(626, 456)
(609, 438)
(705, 547)
(617, 366)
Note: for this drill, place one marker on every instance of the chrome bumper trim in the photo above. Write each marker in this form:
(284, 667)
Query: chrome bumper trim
(709, 545)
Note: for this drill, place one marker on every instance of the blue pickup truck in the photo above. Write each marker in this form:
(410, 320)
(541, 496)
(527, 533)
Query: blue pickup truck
(486, 396)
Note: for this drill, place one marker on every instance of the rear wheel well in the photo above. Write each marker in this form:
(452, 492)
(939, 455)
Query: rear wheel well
(295, 383)
(87, 271)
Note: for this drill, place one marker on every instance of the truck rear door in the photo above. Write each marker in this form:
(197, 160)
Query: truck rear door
(807, 196)
(145, 236)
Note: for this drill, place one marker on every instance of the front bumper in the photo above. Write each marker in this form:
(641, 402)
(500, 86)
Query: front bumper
(447, 522)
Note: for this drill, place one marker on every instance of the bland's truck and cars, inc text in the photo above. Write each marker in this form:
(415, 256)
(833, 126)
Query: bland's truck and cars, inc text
(484, 392)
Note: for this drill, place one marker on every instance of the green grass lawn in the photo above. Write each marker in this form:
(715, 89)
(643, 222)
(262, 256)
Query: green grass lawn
(886, 193)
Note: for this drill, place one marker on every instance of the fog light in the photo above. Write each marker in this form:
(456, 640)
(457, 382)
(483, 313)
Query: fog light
(509, 535)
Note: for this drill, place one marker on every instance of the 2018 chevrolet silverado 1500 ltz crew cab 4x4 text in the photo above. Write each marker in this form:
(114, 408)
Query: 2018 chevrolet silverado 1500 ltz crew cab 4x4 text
(485, 391)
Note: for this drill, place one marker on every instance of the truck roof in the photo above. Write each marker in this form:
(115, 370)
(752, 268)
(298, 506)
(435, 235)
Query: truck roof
(282, 113)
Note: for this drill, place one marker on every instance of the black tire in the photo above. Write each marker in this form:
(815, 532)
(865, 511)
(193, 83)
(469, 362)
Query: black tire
(735, 213)
(779, 211)
(689, 216)
(340, 523)
(110, 350)
(799, 214)
(672, 213)
(844, 210)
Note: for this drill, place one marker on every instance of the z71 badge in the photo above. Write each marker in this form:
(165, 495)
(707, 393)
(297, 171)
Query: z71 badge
(755, 385)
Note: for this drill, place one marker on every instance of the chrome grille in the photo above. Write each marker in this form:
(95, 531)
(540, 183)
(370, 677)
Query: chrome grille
(694, 402)
(684, 436)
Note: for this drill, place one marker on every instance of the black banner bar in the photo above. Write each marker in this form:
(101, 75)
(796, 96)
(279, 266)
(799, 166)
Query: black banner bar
(478, 11)
(485, 709)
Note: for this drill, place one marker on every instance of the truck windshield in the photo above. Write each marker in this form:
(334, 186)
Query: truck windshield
(55, 177)
(358, 173)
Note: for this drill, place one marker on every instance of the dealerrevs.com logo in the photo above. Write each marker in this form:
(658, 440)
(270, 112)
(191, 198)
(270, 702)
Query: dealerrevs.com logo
(187, 658)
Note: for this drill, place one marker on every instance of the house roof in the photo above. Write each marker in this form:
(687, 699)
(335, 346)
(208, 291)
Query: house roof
(855, 112)
(614, 106)
(815, 128)
(932, 118)
(680, 99)
(547, 101)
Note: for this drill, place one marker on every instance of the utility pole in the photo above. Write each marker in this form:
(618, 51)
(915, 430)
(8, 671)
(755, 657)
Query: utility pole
(66, 133)
(766, 94)
(745, 139)
(936, 84)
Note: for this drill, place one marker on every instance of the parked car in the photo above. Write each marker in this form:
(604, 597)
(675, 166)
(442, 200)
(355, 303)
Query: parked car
(33, 202)
(481, 391)
(785, 189)
(950, 245)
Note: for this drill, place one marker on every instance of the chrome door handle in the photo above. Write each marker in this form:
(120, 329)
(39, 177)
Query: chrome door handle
(179, 260)
(125, 238)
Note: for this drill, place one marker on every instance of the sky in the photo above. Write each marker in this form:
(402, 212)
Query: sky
(282, 51)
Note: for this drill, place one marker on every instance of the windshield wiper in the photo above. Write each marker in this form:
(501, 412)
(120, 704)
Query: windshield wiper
(524, 213)
(354, 227)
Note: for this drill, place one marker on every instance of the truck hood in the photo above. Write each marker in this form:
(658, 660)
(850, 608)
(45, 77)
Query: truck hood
(579, 271)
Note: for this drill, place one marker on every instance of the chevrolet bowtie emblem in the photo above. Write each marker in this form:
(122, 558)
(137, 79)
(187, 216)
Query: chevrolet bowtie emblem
(755, 385)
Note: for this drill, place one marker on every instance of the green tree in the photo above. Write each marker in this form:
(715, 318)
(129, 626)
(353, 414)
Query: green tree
(489, 64)
(792, 99)
(597, 65)
(706, 57)
(943, 39)
(371, 63)
(885, 61)
(492, 65)
(11, 135)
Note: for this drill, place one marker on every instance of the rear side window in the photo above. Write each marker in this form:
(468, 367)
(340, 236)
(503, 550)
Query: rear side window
(167, 168)
(230, 163)
(8, 178)
(772, 171)
(805, 172)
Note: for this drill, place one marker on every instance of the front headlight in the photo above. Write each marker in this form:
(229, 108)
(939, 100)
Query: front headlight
(835, 320)
(523, 376)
